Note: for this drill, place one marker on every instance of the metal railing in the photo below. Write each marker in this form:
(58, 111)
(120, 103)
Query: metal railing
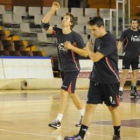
(123, 14)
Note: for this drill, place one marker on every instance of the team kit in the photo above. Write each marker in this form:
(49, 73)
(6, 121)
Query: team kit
(105, 85)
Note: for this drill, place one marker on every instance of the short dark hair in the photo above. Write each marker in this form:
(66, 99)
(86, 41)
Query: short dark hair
(72, 19)
(96, 21)
(134, 19)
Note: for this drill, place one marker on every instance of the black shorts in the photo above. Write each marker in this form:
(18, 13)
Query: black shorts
(133, 62)
(69, 81)
(107, 93)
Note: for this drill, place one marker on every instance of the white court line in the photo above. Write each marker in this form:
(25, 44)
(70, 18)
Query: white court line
(33, 134)
(25, 133)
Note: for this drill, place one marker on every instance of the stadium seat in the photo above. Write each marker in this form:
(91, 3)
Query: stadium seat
(90, 12)
(8, 45)
(82, 20)
(43, 40)
(19, 46)
(79, 29)
(45, 10)
(19, 10)
(2, 35)
(55, 20)
(4, 53)
(26, 31)
(2, 10)
(77, 12)
(26, 53)
(1, 46)
(37, 23)
(37, 53)
(14, 53)
(62, 11)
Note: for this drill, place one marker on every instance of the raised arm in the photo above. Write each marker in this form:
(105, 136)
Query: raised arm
(47, 17)
(54, 8)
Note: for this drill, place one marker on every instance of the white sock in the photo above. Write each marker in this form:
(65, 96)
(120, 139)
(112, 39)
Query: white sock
(121, 89)
(82, 111)
(59, 117)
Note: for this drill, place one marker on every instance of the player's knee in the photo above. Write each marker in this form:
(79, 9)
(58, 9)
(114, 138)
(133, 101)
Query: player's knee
(90, 107)
(64, 94)
(125, 72)
(114, 109)
(72, 95)
(135, 72)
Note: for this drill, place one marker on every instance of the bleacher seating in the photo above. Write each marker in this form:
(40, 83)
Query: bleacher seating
(1, 46)
(77, 12)
(19, 10)
(19, 46)
(82, 20)
(2, 35)
(79, 29)
(29, 36)
(61, 12)
(45, 10)
(32, 11)
(55, 20)
(21, 29)
(90, 12)
(2, 10)
(4, 53)
(37, 22)
(8, 45)
(15, 53)
(26, 31)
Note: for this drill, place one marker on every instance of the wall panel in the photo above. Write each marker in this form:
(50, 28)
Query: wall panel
(135, 10)
(10, 3)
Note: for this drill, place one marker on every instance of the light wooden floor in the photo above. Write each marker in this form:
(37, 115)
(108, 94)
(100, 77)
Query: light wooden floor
(24, 115)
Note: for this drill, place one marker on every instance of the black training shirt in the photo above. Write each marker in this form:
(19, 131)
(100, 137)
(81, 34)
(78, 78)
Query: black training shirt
(131, 41)
(68, 59)
(106, 70)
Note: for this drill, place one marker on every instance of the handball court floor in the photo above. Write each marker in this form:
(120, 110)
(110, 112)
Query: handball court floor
(25, 114)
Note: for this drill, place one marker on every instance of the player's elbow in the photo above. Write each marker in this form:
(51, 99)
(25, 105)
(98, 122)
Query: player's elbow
(45, 25)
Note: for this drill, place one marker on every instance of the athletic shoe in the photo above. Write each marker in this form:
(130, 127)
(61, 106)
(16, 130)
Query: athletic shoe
(55, 124)
(80, 122)
(77, 137)
(116, 138)
(120, 94)
(134, 94)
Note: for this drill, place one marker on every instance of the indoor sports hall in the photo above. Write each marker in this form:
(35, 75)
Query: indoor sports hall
(30, 80)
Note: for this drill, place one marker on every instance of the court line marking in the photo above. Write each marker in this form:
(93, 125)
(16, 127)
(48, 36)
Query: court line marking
(33, 134)
(26, 133)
